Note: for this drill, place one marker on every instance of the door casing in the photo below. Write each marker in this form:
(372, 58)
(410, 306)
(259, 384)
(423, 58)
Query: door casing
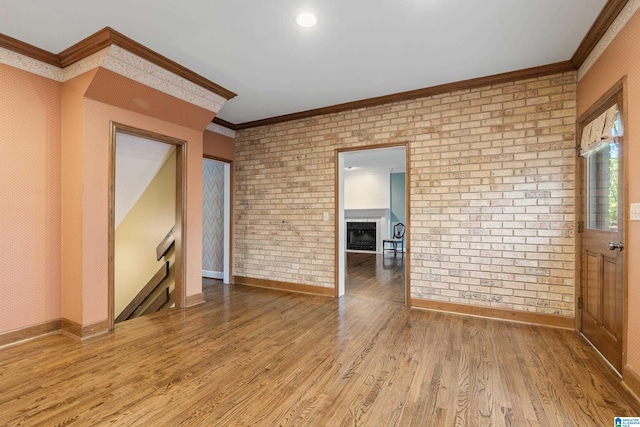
(228, 214)
(340, 240)
(180, 253)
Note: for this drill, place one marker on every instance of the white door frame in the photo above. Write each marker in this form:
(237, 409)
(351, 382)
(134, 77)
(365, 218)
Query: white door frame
(226, 263)
(341, 251)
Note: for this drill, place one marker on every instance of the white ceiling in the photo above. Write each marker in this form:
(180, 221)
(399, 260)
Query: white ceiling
(359, 49)
(393, 159)
(138, 160)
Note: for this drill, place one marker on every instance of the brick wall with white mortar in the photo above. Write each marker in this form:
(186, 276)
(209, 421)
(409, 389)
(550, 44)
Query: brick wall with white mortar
(491, 185)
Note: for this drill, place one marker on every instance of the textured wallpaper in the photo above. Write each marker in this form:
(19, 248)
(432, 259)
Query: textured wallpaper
(30, 190)
(212, 215)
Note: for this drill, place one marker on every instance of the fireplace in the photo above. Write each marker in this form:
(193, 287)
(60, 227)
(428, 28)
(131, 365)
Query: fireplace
(361, 235)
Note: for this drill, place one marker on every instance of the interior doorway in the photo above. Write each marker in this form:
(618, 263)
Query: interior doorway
(372, 201)
(216, 219)
(146, 212)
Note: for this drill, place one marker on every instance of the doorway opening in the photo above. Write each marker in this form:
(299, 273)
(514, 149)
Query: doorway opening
(146, 223)
(216, 219)
(373, 201)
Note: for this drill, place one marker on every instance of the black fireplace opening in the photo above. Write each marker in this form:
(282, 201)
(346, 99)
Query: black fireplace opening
(361, 236)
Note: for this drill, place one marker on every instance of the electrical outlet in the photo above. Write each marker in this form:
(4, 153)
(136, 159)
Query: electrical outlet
(635, 211)
(325, 216)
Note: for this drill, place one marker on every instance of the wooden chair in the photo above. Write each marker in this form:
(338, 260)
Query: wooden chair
(397, 240)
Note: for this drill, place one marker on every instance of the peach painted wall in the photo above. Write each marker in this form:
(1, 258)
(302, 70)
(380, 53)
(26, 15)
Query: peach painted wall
(87, 141)
(30, 193)
(622, 58)
(96, 202)
(218, 146)
(114, 89)
(72, 154)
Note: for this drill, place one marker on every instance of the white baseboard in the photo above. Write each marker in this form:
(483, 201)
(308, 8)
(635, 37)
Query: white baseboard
(212, 274)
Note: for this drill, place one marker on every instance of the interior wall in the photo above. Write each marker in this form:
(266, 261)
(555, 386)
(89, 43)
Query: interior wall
(55, 143)
(30, 190)
(87, 261)
(492, 194)
(115, 89)
(218, 146)
(95, 209)
(367, 190)
(72, 188)
(138, 235)
(398, 199)
(213, 216)
(622, 58)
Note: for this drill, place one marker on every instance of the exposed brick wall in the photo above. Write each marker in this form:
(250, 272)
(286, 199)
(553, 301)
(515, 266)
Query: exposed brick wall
(491, 187)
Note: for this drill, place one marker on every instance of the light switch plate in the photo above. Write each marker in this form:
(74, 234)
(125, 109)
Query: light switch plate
(635, 211)
(325, 217)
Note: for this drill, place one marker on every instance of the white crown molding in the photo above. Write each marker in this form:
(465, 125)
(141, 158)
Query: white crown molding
(614, 29)
(125, 63)
(214, 127)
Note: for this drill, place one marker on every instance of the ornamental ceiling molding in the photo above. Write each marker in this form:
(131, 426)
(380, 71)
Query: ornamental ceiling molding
(125, 63)
(214, 127)
(614, 29)
(30, 65)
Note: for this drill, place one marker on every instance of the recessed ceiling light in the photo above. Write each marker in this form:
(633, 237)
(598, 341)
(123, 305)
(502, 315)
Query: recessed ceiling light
(306, 20)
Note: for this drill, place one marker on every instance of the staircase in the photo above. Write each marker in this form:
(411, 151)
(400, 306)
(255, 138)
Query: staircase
(155, 295)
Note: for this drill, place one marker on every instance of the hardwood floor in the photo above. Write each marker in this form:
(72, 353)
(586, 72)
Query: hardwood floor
(376, 276)
(252, 356)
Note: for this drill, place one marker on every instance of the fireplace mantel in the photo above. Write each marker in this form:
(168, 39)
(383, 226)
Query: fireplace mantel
(366, 213)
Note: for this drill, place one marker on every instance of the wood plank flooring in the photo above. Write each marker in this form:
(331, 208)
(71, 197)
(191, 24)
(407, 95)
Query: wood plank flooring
(376, 276)
(252, 356)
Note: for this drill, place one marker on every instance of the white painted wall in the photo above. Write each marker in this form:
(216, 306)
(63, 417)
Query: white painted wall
(138, 160)
(367, 189)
